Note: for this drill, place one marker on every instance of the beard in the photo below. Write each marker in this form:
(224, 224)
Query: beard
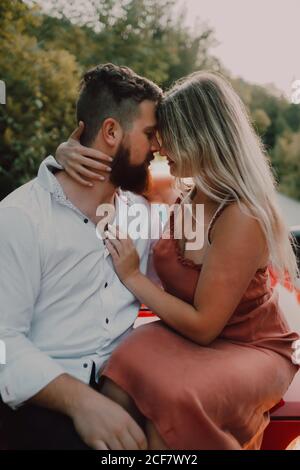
(134, 178)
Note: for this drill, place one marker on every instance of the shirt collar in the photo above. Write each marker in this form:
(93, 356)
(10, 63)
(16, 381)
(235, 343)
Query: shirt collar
(49, 182)
(45, 176)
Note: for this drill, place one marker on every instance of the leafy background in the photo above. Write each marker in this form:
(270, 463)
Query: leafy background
(44, 52)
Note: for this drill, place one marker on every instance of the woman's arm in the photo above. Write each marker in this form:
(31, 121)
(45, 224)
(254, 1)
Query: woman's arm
(229, 266)
(83, 164)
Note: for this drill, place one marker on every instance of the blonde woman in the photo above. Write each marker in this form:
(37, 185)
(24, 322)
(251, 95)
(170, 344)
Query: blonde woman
(207, 374)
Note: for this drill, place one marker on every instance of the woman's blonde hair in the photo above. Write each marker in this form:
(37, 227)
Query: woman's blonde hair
(206, 128)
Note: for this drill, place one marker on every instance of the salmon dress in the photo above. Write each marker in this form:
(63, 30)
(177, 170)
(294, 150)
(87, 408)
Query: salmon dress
(208, 397)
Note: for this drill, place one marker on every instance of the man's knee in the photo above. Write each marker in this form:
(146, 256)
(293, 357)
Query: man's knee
(33, 427)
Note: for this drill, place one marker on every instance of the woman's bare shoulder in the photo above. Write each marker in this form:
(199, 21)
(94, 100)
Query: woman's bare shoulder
(237, 223)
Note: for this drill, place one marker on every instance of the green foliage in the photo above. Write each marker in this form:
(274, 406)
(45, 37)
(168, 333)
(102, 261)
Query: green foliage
(261, 120)
(41, 90)
(286, 160)
(43, 55)
(278, 123)
(44, 52)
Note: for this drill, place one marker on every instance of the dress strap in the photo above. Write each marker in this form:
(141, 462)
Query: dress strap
(218, 212)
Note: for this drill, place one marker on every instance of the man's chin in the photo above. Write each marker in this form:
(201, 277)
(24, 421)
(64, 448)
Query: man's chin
(139, 186)
(128, 177)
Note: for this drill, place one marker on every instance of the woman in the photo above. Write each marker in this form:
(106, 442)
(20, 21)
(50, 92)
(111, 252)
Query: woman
(206, 375)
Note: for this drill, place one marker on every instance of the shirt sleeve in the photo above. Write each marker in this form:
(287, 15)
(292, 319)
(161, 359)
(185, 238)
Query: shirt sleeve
(27, 369)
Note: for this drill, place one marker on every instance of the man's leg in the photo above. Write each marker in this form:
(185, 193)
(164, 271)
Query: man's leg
(33, 427)
(36, 428)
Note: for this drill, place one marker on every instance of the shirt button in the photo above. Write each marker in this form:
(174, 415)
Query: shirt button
(107, 320)
(86, 221)
(105, 285)
(85, 365)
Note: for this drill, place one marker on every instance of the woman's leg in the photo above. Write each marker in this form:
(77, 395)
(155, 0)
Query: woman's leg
(118, 395)
(154, 440)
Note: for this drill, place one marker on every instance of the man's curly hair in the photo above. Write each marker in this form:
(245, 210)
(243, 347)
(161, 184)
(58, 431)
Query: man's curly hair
(112, 91)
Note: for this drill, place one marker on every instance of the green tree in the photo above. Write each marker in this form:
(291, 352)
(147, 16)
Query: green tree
(41, 89)
(286, 162)
(46, 46)
(142, 34)
(261, 120)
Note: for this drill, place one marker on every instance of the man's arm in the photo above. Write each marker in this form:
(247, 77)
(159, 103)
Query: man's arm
(27, 369)
(31, 376)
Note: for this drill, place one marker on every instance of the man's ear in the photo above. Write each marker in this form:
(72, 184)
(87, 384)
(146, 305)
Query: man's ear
(112, 132)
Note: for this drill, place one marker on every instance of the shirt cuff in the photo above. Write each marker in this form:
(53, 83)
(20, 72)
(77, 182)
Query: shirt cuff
(24, 378)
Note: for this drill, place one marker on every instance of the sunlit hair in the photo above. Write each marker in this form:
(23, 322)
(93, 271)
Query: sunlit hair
(206, 129)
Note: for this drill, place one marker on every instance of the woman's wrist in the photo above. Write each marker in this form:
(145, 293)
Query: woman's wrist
(132, 280)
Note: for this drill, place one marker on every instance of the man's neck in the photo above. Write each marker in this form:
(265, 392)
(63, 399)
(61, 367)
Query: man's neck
(87, 199)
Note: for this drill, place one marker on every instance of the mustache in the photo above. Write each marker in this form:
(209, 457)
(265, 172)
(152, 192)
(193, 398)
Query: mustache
(117, 162)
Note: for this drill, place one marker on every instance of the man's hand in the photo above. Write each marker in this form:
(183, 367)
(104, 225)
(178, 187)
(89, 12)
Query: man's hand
(103, 424)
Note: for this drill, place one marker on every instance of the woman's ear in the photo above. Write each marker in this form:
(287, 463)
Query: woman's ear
(112, 132)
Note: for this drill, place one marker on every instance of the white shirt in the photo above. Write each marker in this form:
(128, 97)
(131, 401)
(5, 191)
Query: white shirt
(62, 306)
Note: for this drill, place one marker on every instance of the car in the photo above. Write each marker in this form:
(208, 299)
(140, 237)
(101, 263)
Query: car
(283, 432)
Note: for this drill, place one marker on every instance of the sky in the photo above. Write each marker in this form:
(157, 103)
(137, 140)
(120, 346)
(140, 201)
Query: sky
(259, 40)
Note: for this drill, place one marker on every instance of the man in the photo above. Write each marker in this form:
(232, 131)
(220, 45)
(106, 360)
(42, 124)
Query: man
(63, 309)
